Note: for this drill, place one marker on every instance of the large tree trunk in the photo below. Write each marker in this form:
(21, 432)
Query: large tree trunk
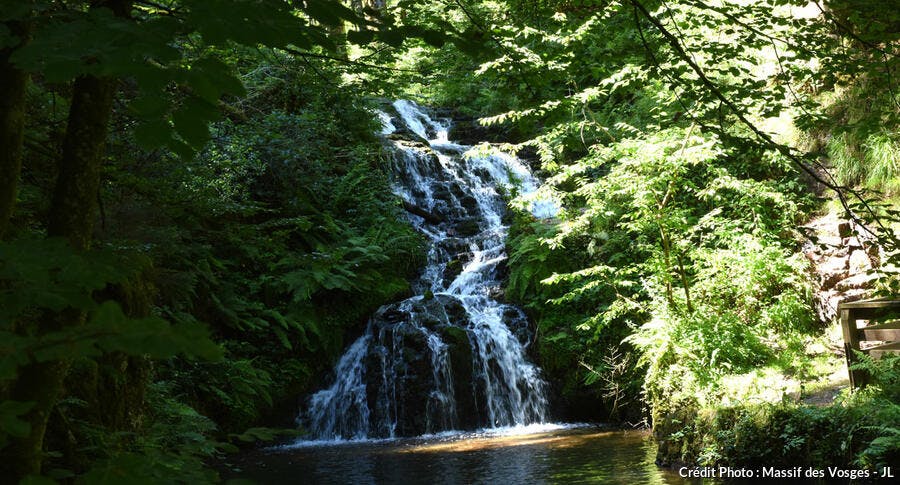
(113, 386)
(74, 207)
(72, 216)
(13, 82)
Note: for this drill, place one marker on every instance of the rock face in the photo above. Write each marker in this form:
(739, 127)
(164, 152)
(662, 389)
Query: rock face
(842, 262)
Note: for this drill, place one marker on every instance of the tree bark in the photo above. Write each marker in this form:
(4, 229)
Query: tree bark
(13, 82)
(74, 207)
(72, 215)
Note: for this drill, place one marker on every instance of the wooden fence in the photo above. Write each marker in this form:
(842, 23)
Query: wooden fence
(885, 310)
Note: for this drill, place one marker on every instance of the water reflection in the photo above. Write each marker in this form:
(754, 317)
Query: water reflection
(579, 455)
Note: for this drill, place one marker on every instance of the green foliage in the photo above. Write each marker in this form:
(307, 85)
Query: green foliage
(178, 44)
(873, 163)
(39, 277)
(175, 443)
(284, 217)
(234, 392)
(242, 162)
(259, 227)
(857, 431)
(669, 230)
(678, 231)
(10, 422)
(46, 274)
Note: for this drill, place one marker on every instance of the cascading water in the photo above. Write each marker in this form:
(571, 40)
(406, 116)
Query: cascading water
(454, 357)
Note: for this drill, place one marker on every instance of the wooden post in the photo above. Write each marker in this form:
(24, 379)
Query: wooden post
(851, 344)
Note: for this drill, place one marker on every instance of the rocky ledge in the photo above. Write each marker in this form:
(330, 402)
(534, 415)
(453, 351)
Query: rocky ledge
(842, 261)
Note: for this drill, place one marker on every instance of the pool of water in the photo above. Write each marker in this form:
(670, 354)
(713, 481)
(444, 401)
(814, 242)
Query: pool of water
(548, 454)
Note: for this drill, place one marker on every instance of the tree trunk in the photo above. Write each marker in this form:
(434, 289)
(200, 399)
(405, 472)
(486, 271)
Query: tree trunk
(72, 216)
(113, 386)
(74, 207)
(13, 82)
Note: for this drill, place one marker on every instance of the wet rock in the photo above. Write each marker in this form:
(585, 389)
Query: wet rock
(455, 246)
(459, 350)
(414, 381)
(423, 213)
(530, 156)
(408, 139)
(515, 319)
(456, 312)
(392, 315)
(452, 270)
(435, 311)
(483, 174)
(501, 271)
(469, 203)
(379, 420)
(467, 227)
(442, 192)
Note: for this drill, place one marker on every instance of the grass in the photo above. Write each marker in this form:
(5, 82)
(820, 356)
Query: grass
(872, 163)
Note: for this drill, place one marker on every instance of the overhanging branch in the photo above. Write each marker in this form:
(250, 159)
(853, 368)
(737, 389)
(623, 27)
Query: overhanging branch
(765, 138)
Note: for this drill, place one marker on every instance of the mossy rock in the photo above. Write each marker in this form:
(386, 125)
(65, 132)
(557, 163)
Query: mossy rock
(452, 270)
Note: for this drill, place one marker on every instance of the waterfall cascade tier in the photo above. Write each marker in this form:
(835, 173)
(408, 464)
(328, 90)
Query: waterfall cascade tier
(454, 357)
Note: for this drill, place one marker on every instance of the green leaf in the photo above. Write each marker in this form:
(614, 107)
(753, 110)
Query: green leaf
(151, 134)
(329, 12)
(192, 121)
(10, 424)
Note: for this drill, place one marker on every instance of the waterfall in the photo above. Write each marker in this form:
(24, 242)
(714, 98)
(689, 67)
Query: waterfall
(452, 358)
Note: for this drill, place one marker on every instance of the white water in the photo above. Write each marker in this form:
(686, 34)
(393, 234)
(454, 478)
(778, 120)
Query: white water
(382, 388)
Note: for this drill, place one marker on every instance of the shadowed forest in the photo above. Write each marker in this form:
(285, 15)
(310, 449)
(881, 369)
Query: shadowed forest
(227, 225)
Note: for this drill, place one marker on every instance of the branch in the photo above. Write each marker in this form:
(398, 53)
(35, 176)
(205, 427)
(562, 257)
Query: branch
(158, 6)
(868, 45)
(772, 38)
(849, 31)
(786, 151)
(423, 213)
(304, 54)
(509, 53)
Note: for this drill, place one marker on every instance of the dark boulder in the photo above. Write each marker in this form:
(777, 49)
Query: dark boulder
(459, 350)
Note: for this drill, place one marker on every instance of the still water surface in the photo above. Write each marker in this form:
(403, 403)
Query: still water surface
(582, 454)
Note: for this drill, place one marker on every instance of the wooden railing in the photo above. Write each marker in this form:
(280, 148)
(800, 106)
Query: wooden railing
(888, 332)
